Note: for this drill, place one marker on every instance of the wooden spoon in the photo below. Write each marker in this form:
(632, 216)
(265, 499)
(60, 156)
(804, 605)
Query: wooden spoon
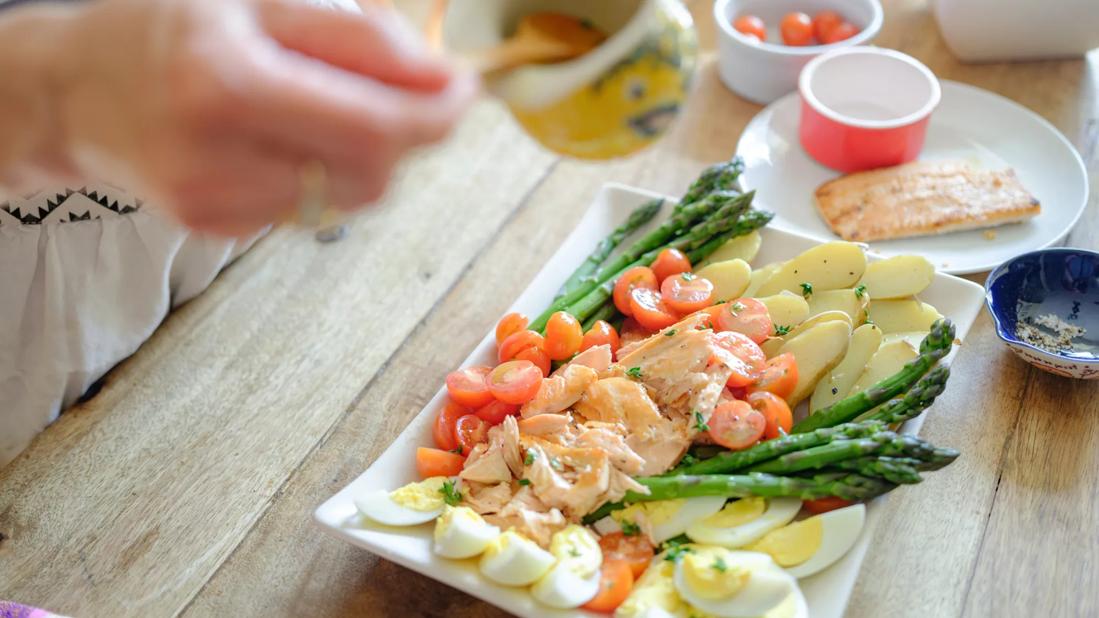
(539, 38)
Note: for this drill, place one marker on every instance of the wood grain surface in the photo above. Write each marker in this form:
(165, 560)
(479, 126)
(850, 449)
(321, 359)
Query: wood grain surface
(186, 486)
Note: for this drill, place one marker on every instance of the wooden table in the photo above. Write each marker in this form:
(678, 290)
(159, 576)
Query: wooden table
(186, 486)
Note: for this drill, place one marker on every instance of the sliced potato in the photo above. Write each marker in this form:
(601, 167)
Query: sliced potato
(830, 266)
(897, 277)
(865, 341)
(851, 302)
(760, 276)
(786, 309)
(772, 346)
(898, 316)
(737, 248)
(888, 360)
(915, 337)
(730, 278)
(817, 351)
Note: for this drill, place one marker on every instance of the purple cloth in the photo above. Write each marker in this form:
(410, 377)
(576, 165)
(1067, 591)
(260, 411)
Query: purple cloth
(11, 609)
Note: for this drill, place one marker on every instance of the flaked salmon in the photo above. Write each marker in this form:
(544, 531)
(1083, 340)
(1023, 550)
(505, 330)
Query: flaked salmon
(560, 390)
(922, 198)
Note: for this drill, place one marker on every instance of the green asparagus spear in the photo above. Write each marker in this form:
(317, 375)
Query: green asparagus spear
(915, 401)
(934, 347)
(899, 470)
(882, 443)
(637, 218)
(841, 484)
(723, 176)
(606, 312)
(732, 461)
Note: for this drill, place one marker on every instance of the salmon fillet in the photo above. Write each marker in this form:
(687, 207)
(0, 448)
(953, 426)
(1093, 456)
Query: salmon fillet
(922, 198)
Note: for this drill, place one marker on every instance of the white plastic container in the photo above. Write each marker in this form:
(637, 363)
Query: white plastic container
(763, 72)
(990, 30)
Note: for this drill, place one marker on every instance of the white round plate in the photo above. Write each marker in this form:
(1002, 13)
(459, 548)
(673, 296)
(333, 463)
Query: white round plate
(987, 130)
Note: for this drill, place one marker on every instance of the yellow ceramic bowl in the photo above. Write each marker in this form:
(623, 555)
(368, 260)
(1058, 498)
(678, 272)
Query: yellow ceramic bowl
(611, 102)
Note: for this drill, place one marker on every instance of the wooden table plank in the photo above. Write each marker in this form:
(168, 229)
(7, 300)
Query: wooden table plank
(128, 504)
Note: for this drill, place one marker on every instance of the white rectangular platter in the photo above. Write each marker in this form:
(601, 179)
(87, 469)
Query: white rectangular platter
(826, 592)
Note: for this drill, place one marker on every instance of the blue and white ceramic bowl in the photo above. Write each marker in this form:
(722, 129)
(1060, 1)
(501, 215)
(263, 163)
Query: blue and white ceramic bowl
(1062, 282)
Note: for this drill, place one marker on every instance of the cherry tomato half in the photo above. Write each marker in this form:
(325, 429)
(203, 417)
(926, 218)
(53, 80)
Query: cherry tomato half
(601, 333)
(434, 462)
(563, 336)
(467, 386)
(796, 29)
(518, 341)
(635, 550)
(470, 430)
(636, 277)
(495, 412)
(824, 22)
(745, 358)
(780, 376)
(615, 583)
(670, 262)
(508, 325)
(515, 381)
(776, 412)
(686, 292)
(750, 25)
(540, 359)
(823, 505)
(747, 316)
(735, 425)
(649, 309)
(841, 32)
(443, 429)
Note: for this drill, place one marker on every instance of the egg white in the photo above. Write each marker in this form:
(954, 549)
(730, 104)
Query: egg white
(563, 588)
(461, 533)
(778, 513)
(839, 531)
(514, 560)
(767, 588)
(671, 525)
(378, 506)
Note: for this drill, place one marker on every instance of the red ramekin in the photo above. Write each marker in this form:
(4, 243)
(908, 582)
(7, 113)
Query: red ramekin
(865, 107)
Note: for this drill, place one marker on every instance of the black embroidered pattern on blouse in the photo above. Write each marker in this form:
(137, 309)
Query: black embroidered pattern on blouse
(72, 205)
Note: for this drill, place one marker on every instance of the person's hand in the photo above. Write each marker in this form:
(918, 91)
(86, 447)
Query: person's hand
(212, 107)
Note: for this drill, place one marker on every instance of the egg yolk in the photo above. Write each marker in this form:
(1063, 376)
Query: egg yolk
(501, 542)
(655, 589)
(656, 512)
(577, 548)
(426, 495)
(737, 513)
(792, 544)
(452, 513)
(712, 574)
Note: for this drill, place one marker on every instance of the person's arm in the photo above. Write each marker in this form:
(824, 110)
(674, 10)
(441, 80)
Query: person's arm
(212, 107)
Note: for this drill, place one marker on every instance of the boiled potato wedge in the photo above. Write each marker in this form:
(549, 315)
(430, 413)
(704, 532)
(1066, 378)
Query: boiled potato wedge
(817, 351)
(898, 316)
(760, 276)
(851, 302)
(897, 277)
(915, 337)
(888, 360)
(737, 248)
(786, 309)
(730, 278)
(830, 266)
(772, 346)
(865, 341)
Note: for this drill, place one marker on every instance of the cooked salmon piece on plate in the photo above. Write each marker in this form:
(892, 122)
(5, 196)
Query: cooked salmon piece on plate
(922, 198)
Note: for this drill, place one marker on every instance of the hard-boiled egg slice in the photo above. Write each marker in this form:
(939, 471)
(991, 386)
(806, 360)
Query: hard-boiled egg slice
(462, 533)
(731, 584)
(665, 519)
(654, 594)
(574, 579)
(805, 547)
(415, 503)
(514, 560)
(743, 521)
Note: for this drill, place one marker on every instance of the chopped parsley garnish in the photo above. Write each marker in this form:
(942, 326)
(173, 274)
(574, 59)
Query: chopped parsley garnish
(700, 423)
(859, 291)
(688, 460)
(556, 465)
(457, 450)
(782, 330)
(634, 372)
(719, 565)
(524, 482)
(675, 550)
(806, 289)
(670, 332)
(529, 459)
(721, 302)
(737, 307)
(575, 553)
(451, 495)
(688, 276)
(630, 528)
